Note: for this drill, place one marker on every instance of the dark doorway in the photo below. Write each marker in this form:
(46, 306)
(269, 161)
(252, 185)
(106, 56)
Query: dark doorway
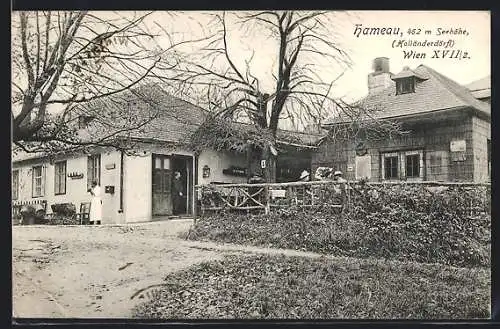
(182, 186)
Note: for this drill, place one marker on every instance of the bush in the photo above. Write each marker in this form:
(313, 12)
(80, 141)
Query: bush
(395, 222)
(280, 287)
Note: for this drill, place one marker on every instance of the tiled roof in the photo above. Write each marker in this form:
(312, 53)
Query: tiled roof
(480, 88)
(437, 92)
(175, 119)
(406, 73)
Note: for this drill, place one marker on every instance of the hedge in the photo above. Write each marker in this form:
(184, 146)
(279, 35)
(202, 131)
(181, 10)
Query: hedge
(444, 225)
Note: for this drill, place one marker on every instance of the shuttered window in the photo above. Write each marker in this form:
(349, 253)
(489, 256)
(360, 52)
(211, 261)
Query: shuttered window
(60, 178)
(38, 174)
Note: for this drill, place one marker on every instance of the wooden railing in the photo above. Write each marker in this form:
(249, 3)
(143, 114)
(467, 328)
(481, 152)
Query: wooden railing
(268, 196)
(264, 196)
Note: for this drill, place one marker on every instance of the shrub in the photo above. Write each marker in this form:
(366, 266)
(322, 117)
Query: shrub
(280, 287)
(395, 222)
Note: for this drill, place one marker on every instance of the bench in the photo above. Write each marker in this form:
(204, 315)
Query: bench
(29, 212)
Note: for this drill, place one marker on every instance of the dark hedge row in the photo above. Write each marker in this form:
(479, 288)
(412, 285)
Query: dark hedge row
(395, 222)
(281, 287)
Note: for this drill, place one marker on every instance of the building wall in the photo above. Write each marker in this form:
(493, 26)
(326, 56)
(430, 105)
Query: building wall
(481, 133)
(218, 161)
(431, 136)
(76, 189)
(137, 192)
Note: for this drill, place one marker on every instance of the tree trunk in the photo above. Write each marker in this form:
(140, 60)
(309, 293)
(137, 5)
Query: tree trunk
(270, 170)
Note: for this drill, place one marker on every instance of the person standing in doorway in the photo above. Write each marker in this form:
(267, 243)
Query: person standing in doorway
(95, 204)
(179, 194)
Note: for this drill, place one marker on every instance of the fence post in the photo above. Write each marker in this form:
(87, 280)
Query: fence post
(267, 197)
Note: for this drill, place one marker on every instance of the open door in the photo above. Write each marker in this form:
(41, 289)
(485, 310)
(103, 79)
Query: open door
(162, 186)
(184, 166)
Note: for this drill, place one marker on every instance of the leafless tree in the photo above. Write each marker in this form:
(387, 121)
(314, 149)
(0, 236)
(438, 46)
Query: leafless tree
(305, 43)
(61, 61)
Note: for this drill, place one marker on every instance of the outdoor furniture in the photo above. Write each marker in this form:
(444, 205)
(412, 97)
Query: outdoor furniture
(62, 213)
(83, 216)
(31, 212)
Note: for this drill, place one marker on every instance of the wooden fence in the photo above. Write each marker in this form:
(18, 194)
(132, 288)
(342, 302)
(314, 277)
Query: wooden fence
(265, 197)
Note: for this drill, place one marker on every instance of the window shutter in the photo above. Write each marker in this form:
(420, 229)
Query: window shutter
(421, 165)
(402, 167)
(44, 170)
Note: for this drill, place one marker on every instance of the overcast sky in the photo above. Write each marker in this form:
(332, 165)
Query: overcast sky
(363, 49)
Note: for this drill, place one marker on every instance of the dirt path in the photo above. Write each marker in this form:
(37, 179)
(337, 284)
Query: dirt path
(93, 271)
(98, 271)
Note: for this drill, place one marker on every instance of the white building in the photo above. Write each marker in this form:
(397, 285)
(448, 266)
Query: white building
(136, 187)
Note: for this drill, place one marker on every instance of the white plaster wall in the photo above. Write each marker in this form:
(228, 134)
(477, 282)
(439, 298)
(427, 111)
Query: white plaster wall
(217, 161)
(137, 201)
(76, 189)
(111, 177)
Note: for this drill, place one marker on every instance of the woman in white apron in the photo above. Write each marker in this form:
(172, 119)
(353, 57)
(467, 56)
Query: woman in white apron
(95, 204)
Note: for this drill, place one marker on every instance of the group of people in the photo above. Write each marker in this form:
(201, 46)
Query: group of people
(323, 173)
(178, 200)
(328, 174)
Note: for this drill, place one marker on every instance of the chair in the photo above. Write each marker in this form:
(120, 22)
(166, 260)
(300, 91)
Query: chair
(84, 215)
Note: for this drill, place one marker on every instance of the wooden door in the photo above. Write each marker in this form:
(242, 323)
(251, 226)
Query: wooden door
(162, 186)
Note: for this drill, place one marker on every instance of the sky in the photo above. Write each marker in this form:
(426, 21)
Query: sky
(363, 49)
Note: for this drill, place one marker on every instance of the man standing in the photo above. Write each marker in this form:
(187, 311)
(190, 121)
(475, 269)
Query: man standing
(179, 193)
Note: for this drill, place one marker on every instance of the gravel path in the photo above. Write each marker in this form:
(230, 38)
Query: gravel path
(103, 271)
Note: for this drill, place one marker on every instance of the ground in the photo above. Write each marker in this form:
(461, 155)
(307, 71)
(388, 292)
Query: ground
(103, 271)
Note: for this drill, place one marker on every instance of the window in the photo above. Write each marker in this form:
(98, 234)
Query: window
(405, 86)
(403, 165)
(38, 181)
(60, 178)
(413, 166)
(15, 184)
(93, 169)
(391, 167)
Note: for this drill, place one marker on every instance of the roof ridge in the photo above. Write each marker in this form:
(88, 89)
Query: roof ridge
(452, 85)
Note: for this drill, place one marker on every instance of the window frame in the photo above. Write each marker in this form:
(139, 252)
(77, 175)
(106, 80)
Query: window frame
(405, 86)
(15, 184)
(402, 165)
(34, 179)
(93, 161)
(390, 155)
(417, 163)
(57, 184)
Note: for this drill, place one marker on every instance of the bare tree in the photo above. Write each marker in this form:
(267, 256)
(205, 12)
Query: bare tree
(305, 43)
(61, 61)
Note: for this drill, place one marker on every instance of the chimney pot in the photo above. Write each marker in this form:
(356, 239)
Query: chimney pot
(381, 64)
(380, 78)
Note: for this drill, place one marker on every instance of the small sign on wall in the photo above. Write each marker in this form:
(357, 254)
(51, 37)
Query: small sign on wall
(457, 146)
(457, 149)
(110, 166)
(363, 167)
(263, 164)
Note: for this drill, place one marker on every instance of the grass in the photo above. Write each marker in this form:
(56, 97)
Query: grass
(280, 287)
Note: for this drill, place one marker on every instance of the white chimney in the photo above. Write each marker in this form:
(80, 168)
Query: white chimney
(380, 78)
